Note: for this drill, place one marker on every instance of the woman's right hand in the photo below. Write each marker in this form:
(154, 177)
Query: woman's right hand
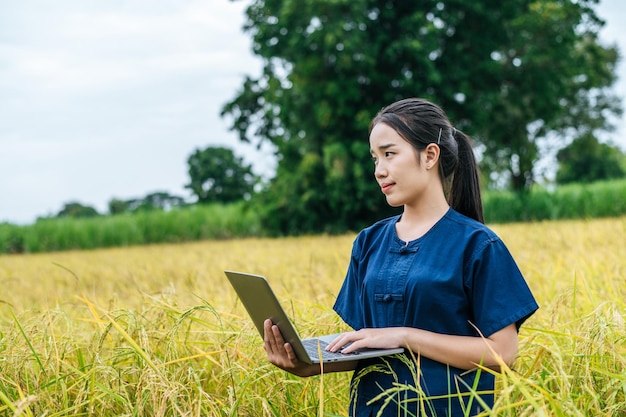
(281, 353)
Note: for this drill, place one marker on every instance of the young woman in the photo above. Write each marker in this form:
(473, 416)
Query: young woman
(434, 280)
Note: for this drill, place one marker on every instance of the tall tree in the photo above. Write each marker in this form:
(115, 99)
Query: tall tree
(217, 175)
(587, 160)
(158, 200)
(76, 209)
(508, 73)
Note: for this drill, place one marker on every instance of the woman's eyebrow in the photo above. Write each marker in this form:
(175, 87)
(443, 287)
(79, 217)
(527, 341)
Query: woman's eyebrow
(383, 147)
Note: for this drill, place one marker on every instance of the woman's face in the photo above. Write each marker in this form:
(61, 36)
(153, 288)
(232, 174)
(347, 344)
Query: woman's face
(399, 171)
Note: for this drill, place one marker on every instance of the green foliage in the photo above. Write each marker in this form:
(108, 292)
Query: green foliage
(117, 206)
(587, 160)
(574, 201)
(508, 73)
(77, 210)
(242, 219)
(11, 238)
(212, 221)
(217, 175)
(159, 200)
(553, 76)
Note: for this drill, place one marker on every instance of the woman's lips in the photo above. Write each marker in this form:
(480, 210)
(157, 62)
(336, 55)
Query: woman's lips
(386, 187)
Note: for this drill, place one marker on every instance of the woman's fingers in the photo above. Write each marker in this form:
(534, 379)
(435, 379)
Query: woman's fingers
(341, 340)
(366, 338)
(268, 336)
(281, 353)
(273, 338)
(278, 351)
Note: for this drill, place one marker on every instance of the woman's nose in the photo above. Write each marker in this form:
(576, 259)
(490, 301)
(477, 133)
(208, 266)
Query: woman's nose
(380, 171)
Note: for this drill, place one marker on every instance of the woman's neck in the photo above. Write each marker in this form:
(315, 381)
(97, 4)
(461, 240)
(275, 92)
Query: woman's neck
(416, 221)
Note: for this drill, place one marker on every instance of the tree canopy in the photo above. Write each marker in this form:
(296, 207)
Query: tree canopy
(507, 73)
(158, 200)
(588, 160)
(217, 175)
(76, 209)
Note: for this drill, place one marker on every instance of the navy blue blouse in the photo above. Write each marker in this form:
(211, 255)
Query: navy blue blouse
(457, 277)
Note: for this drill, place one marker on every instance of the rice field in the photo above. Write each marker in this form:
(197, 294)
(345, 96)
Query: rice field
(157, 331)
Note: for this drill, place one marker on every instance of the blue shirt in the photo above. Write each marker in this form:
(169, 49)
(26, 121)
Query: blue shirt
(457, 277)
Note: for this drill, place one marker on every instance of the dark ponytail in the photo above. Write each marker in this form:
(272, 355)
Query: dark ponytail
(420, 123)
(464, 194)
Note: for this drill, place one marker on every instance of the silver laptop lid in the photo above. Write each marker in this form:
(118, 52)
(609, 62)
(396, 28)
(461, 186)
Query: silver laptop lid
(259, 300)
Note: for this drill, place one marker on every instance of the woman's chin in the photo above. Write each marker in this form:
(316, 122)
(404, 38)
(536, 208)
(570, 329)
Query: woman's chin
(394, 203)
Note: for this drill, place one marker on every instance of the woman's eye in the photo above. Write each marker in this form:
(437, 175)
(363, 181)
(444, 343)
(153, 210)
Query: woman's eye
(388, 154)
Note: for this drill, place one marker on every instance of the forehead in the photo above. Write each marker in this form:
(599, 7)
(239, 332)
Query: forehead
(383, 137)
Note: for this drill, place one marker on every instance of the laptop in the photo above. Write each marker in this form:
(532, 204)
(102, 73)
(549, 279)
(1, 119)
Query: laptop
(259, 300)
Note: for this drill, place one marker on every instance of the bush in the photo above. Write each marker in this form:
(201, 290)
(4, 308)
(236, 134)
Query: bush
(575, 201)
(199, 222)
(217, 221)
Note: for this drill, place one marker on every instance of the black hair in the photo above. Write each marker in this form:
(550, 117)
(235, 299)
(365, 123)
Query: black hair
(420, 122)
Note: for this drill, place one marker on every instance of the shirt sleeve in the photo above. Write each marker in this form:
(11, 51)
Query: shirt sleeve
(348, 302)
(499, 293)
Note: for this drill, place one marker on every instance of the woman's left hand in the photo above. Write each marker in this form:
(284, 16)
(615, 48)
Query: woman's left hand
(464, 352)
(383, 338)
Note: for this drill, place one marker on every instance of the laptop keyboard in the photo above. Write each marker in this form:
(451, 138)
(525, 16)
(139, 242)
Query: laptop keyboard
(311, 346)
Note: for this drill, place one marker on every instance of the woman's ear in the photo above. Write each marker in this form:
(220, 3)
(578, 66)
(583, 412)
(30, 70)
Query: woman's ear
(431, 155)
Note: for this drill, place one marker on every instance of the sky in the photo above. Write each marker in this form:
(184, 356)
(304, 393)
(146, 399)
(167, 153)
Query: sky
(107, 99)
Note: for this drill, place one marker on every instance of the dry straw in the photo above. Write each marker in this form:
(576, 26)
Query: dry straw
(157, 331)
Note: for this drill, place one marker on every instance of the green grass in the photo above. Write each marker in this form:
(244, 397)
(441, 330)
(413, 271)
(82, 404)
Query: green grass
(603, 199)
(149, 227)
(576, 201)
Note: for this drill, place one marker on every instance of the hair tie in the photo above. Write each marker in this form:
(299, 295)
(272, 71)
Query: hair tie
(439, 137)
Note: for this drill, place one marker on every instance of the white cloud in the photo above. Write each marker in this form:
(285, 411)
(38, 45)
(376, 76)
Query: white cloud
(93, 49)
(108, 99)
